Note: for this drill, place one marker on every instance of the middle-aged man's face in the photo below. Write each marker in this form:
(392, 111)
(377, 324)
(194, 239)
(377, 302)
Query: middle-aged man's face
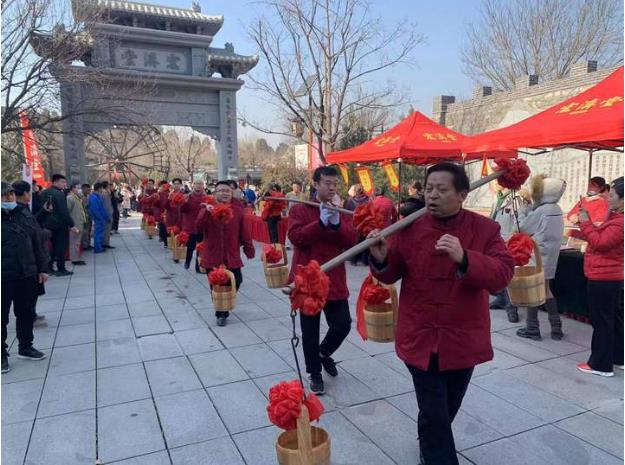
(223, 193)
(150, 185)
(441, 197)
(326, 188)
(198, 186)
(615, 203)
(10, 197)
(297, 188)
(61, 183)
(86, 191)
(177, 185)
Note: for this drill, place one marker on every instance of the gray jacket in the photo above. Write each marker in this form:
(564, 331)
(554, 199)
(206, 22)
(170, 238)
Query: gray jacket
(108, 204)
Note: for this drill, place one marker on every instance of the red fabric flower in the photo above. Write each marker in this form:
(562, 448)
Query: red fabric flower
(218, 276)
(272, 254)
(375, 294)
(311, 289)
(165, 187)
(144, 181)
(176, 199)
(200, 247)
(182, 239)
(371, 294)
(223, 213)
(521, 247)
(368, 217)
(516, 172)
(150, 220)
(173, 230)
(208, 200)
(285, 404)
(273, 205)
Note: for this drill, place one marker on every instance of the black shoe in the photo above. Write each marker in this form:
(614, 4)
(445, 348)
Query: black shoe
(329, 365)
(79, 262)
(176, 260)
(150, 237)
(5, 364)
(109, 247)
(316, 385)
(529, 334)
(30, 353)
(557, 334)
(63, 273)
(87, 248)
(221, 321)
(497, 304)
(513, 316)
(40, 320)
(187, 265)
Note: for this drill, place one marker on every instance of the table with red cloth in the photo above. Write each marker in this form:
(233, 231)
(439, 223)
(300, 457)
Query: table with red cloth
(260, 231)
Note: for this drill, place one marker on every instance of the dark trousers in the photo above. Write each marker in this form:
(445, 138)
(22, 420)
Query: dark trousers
(439, 395)
(272, 224)
(194, 239)
(22, 293)
(605, 299)
(60, 244)
(238, 279)
(115, 225)
(98, 235)
(162, 232)
(339, 324)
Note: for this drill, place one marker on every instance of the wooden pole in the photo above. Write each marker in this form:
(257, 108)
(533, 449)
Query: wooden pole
(314, 204)
(399, 225)
(304, 438)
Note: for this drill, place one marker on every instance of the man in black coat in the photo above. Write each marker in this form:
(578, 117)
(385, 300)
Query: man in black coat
(24, 267)
(59, 222)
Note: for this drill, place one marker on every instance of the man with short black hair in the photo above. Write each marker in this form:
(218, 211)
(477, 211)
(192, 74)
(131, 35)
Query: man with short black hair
(77, 212)
(59, 222)
(320, 233)
(100, 217)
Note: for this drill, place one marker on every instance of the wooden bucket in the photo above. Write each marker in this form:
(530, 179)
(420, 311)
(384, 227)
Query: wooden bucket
(180, 252)
(527, 288)
(380, 320)
(225, 297)
(151, 230)
(170, 242)
(276, 274)
(306, 445)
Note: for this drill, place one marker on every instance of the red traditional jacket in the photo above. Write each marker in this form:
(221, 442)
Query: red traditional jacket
(388, 207)
(190, 211)
(160, 206)
(173, 217)
(314, 241)
(222, 242)
(603, 260)
(440, 309)
(145, 202)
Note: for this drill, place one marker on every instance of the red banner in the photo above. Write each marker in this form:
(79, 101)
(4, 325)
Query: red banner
(393, 180)
(31, 151)
(364, 174)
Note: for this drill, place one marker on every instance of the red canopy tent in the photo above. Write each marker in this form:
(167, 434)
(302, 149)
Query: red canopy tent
(592, 120)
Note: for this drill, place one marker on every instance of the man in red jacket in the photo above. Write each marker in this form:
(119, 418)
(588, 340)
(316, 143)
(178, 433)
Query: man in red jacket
(223, 242)
(190, 211)
(173, 216)
(448, 260)
(321, 234)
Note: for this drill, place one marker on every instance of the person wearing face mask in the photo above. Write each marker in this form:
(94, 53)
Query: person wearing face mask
(448, 260)
(189, 211)
(319, 233)
(24, 268)
(223, 242)
(595, 202)
(603, 266)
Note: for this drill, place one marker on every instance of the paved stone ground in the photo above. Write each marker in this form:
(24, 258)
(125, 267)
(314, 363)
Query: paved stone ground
(138, 374)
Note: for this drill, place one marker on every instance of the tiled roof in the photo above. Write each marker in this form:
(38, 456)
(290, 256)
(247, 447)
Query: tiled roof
(156, 10)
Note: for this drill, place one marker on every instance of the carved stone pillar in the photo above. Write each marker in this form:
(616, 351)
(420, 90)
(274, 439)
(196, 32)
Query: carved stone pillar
(73, 134)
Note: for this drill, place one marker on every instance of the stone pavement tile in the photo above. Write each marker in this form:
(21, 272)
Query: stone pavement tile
(44, 339)
(266, 382)
(144, 308)
(147, 325)
(157, 458)
(348, 351)
(68, 393)
(499, 320)
(250, 312)
(598, 431)
(528, 397)
(612, 410)
(259, 360)
(496, 413)
(63, 440)
(274, 307)
(72, 359)
(344, 391)
(196, 341)
(391, 360)
(23, 370)
(241, 406)
(115, 352)
(181, 319)
(77, 317)
(81, 290)
(562, 347)
(78, 302)
(20, 400)
(270, 329)
(546, 445)
(171, 375)
(520, 348)
(51, 305)
(388, 428)
(117, 385)
(128, 430)
(134, 295)
(372, 348)
(236, 335)
(258, 446)
(284, 350)
(220, 451)
(111, 312)
(75, 334)
(217, 367)
(378, 377)
(114, 329)
(159, 346)
(501, 361)
(15, 439)
(51, 321)
(110, 298)
(188, 417)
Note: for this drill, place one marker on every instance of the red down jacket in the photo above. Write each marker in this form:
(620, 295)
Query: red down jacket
(603, 260)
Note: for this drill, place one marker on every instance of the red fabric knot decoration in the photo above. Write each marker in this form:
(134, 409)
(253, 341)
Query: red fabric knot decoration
(150, 220)
(218, 276)
(370, 294)
(312, 286)
(375, 294)
(173, 230)
(274, 206)
(176, 199)
(144, 181)
(208, 200)
(272, 254)
(368, 217)
(200, 247)
(516, 172)
(182, 239)
(285, 404)
(165, 187)
(521, 247)
(223, 213)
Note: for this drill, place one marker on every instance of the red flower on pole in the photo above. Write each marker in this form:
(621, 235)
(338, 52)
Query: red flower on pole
(200, 247)
(312, 286)
(374, 294)
(208, 200)
(223, 213)
(144, 181)
(520, 246)
(165, 187)
(150, 220)
(182, 239)
(218, 276)
(516, 172)
(272, 254)
(176, 199)
(274, 205)
(368, 217)
(285, 404)
(173, 230)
